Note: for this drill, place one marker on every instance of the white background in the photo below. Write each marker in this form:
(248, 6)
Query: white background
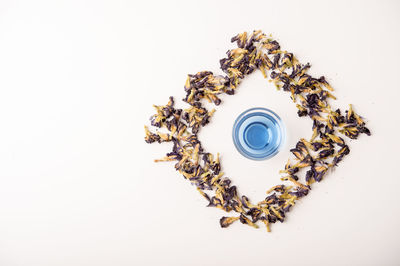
(78, 185)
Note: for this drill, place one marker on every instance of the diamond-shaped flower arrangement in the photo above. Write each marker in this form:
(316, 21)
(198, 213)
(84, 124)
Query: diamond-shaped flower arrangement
(312, 158)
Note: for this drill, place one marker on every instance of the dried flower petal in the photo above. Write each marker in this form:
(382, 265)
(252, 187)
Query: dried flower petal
(227, 221)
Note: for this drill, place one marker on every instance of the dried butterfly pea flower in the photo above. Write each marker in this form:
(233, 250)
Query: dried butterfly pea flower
(299, 192)
(351, 132)
(272, 199)
(255, 51)
(302, 111)
(344, 150)
(244, 220)
(298, 153)
(278, 188)
(151, 137)
(227, 221)
(255, 214)
(326, 153)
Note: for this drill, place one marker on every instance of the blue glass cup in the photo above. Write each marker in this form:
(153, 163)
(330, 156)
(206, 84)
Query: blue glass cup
(258, 133)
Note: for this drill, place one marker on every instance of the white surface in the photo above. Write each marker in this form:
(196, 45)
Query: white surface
(78, 185)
